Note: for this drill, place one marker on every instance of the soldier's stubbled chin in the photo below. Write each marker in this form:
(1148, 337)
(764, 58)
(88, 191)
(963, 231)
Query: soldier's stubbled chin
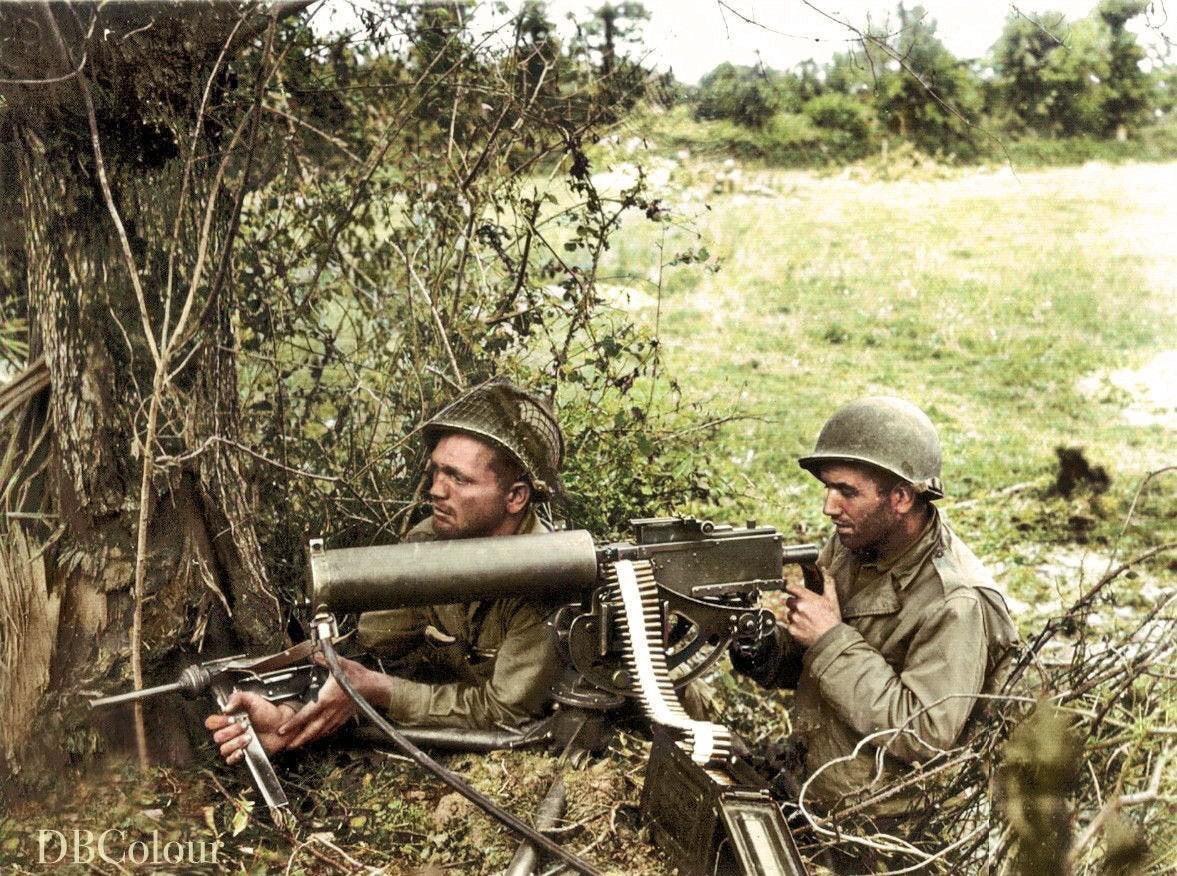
(865, 552)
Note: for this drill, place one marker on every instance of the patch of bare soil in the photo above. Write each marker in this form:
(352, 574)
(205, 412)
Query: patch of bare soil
(1147, 395)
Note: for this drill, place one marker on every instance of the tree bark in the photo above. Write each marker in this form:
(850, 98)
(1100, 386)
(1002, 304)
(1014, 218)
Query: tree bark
(206, 583)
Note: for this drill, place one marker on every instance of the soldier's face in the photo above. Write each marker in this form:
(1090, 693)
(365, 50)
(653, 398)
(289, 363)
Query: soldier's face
(862, 514)
(468, 496)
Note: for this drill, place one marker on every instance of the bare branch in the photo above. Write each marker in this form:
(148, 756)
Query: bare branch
(1038, 24)
(104, 185)
(186, 178)
(51, 81)
(333, 140)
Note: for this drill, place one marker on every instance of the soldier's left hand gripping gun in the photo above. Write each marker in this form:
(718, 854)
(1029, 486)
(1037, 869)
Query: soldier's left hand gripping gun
(287, 675)
(640, 619)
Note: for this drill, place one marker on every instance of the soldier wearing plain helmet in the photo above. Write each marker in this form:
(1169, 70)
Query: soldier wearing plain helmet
(888, 433)
(494, 457)
(910, 628)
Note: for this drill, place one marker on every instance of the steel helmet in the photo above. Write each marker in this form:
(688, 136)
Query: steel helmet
(514, 420)
(888, 433)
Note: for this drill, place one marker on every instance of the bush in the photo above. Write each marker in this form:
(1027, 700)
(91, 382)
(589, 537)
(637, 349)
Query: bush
(839, 112)
(1154, 143)
(739, 94)
(846, 124)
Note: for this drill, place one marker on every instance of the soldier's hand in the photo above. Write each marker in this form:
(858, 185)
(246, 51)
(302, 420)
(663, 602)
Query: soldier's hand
(810, 615)
(334, 707)
(232, 736)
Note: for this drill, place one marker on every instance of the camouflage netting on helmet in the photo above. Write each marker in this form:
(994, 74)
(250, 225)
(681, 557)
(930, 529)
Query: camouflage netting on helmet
(519, 422)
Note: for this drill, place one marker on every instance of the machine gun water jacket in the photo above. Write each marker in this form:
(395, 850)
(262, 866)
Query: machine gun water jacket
(482, 664)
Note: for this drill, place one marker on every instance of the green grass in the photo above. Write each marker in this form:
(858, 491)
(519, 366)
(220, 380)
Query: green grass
(982, 297)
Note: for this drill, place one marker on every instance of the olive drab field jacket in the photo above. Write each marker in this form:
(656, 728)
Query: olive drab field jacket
(479, 665)
(922, 634)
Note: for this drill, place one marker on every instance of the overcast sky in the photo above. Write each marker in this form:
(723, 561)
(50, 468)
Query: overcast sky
(694, 36)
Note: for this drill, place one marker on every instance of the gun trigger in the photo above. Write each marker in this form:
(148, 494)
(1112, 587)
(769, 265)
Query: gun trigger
(436, 636)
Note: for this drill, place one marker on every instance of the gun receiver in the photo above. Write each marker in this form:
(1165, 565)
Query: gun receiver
(277, 677)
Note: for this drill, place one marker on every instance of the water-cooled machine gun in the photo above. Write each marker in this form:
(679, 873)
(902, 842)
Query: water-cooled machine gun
(639, 620)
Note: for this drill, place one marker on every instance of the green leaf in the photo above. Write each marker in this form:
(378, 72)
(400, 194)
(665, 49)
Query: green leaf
(241, 816)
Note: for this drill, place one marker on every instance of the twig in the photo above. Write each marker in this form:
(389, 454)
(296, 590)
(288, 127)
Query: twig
(306, 845)
(104, 185)
(1152, 792)
(314, 837)
(133, 272)
(333, 140)
(52, 80)
(441, 332)
(261, 457)
(1039, 25)
(1120, 570)
(1149, 795)
(186, 178)
(865, 39)
(723, 5)
(1132, 507)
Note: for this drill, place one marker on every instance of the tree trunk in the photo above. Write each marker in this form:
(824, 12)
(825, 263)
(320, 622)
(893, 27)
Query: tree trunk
(67, 557)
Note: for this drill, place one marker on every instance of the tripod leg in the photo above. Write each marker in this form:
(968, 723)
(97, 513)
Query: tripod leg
(549, 811)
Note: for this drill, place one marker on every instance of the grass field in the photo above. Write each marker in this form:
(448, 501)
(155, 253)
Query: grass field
(1023, 311)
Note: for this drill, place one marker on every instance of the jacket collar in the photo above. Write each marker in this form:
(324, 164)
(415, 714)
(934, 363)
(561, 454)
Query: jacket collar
(877, 597)
(529, 525)
(904, 565)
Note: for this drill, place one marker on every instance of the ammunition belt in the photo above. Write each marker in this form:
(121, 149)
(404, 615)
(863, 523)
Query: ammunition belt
(634, 593)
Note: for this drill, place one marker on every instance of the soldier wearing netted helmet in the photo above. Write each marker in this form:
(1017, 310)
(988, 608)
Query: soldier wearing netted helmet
(519, 427)
(910, 628)
(494, 458)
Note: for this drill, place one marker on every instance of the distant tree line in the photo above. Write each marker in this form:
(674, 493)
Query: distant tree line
(1045, 77)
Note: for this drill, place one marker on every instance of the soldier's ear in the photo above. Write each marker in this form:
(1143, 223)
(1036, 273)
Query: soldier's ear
(902, 498)
(518, 495)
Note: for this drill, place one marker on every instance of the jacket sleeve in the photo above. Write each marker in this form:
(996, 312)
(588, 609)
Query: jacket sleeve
(525, 667)
(928, 700)
(393, 633)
